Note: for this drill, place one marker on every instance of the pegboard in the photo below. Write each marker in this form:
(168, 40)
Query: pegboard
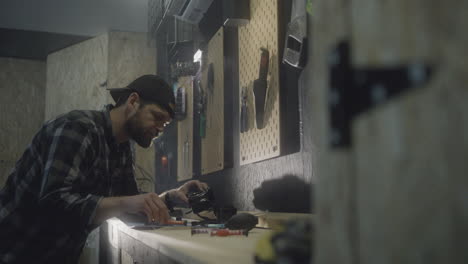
(212, 145)
(261, 32)
(185, 133)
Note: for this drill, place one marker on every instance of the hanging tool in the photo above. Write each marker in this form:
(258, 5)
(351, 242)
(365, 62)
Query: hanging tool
(260, 88)
(210, 80)
(244, 125)
(202, 110)
(186, 157)
(181, 102)
(295, 47)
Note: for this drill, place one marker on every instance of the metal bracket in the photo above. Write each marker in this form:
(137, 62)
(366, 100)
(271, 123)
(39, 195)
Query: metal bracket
(353, 91)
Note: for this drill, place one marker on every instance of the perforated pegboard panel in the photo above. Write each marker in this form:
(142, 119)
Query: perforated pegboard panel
(185, 133)
(212, 145)
(262, 31)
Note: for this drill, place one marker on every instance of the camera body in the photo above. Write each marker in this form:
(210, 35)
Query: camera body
(201, 201)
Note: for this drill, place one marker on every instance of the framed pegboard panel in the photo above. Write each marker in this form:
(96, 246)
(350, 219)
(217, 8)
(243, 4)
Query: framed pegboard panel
(212, 144)
(185, 133)
(261, 32)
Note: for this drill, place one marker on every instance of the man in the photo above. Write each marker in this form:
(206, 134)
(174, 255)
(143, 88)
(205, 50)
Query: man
(77, 172)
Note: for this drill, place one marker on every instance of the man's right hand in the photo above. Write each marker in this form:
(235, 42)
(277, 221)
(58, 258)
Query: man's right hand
(150, 204)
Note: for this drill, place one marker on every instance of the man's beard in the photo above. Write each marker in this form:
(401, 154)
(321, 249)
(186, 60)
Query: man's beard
(137, 132)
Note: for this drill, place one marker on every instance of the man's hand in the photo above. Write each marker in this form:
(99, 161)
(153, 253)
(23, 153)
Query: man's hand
(150, 204)
(181, 192)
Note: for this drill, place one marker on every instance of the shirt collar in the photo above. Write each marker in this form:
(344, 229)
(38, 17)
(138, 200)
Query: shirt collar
(108, 126)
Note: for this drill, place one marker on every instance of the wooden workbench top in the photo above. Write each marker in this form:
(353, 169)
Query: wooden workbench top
(178, 244)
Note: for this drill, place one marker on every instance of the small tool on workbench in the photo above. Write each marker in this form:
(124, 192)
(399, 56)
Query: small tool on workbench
(227, 232)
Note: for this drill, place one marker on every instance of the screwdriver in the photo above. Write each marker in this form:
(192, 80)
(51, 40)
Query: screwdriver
(227, 232)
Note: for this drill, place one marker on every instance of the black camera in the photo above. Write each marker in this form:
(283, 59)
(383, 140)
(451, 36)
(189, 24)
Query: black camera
(201, 201)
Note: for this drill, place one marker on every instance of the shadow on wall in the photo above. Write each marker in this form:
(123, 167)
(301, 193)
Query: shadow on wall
(288, 194)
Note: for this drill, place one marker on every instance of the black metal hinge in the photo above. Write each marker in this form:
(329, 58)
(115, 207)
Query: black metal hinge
(353, 91)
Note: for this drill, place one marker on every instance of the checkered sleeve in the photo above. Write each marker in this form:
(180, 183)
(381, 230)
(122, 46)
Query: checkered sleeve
(70, 156)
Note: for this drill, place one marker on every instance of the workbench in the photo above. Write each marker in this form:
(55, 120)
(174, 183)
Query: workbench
(176, 245)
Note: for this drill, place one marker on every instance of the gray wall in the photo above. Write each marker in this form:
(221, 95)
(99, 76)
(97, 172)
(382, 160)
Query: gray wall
(22, 88)
(131, 56)
(76, 77)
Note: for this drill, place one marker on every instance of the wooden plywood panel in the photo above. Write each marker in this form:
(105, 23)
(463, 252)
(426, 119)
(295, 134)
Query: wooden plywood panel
(335, 192)
(129, 58)
(77, 77)
(212, 145)
(185, 134)
(261, 32)
(411, 152)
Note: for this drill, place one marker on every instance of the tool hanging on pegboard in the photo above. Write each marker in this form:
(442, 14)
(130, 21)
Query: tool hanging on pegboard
(260, 88)
(181, 104)
(244, 118)
(202, 109)
(262, 140)
(295, 47)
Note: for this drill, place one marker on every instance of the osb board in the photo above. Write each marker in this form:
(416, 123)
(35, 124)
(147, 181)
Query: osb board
(334, 192)
(262, 31)
(185, 133)
(411, 152)
(212, 145)
(77, 77)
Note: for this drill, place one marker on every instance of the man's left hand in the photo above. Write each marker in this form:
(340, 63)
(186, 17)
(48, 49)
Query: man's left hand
(181, 192)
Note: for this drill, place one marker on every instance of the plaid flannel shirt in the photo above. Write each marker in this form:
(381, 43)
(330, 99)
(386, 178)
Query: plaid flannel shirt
(49, 200)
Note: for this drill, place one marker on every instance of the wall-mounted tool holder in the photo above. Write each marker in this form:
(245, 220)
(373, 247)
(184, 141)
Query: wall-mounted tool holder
(353, 91)
(295, 47)
(244, 118)
(259, 143)
(212, 117)
(185, 133)
(236, 12)
(187, 68)
(181, 104)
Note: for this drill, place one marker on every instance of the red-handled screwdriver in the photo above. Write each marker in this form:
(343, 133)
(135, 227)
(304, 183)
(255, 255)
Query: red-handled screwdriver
(227, 232)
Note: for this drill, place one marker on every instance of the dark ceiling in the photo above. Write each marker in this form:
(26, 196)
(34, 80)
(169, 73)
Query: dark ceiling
(32, 29)
(34, 45)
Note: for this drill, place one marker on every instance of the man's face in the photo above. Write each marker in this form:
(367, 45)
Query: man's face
(147, 124)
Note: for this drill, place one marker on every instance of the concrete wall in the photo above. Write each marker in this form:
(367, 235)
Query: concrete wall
(77, 78)
(130, 56)
(399, 194)
(22, 88)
